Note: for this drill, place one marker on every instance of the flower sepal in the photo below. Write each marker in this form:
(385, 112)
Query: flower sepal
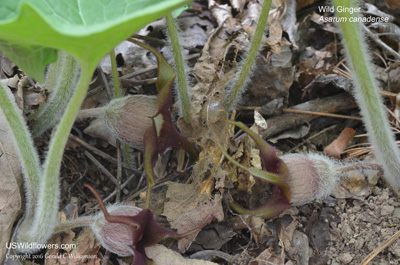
(127, 230)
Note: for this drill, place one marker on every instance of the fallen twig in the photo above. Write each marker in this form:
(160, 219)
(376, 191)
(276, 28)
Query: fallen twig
(333, 104)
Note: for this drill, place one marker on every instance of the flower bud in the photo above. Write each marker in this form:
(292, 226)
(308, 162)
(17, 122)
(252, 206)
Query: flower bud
(129, 117)
(116, 237)
(311, 177)
(128, 230)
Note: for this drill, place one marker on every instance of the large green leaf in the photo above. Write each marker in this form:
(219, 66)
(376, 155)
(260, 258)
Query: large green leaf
(32, 30)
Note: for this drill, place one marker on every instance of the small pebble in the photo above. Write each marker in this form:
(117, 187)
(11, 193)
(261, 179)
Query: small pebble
(345, 258)
(396, 213)
(387, 209)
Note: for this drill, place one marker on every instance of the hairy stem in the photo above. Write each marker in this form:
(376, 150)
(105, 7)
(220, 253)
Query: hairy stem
(366, 93)
(117, 90)
(74, 223)
(42, 226)
(61, 81)
(123, 146)
(359, 166)
(184, 100)
(239, 83)
(90, 113)
(29, 158)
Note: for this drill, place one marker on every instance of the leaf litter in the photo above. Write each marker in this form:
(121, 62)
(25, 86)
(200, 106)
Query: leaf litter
(343, 229)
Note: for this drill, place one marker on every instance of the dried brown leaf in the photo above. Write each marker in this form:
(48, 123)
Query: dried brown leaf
(275, 36)
(393, 3)
(83, 249)
(186, 209)
(354, 184)
(238, 5)
(7, 67)
(165, 256)
(221, 12)
(267, 257)
(340, 143)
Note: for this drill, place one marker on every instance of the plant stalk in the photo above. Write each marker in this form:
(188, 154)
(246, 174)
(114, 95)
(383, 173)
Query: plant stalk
(74, 223)
(42, 226)
(61, 81)
(180, 69)
(123, 146)
(28, 155)
(240, 80)
(366, 93)
(117, 90)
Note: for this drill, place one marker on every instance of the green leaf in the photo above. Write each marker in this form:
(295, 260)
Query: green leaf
(31, 33)
(32, 30)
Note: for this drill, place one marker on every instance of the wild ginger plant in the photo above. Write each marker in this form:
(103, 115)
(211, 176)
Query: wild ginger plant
(88, 41)
(144, 122)
(323, 173)
(297, 179)
(128, 230)
(31, 33)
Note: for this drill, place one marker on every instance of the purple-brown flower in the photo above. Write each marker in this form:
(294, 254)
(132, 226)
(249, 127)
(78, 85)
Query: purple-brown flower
(127, 230)
(298, 178)
(145, 122)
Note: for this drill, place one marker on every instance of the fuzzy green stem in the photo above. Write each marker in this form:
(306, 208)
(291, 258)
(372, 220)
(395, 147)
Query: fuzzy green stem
(240, 80)
(42, 226)
(117, 90)
(74, 223)
(184, 100)
(118, 94)
(91, 113)
(24, 145)
(61, 81)
(367, 96)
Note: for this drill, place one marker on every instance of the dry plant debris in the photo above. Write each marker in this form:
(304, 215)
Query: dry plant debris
(297, 70)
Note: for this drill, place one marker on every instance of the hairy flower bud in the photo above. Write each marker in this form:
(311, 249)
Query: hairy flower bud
(298, 178)
(129, 117)
(128, 230)
(311, 177)
(116, 237)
